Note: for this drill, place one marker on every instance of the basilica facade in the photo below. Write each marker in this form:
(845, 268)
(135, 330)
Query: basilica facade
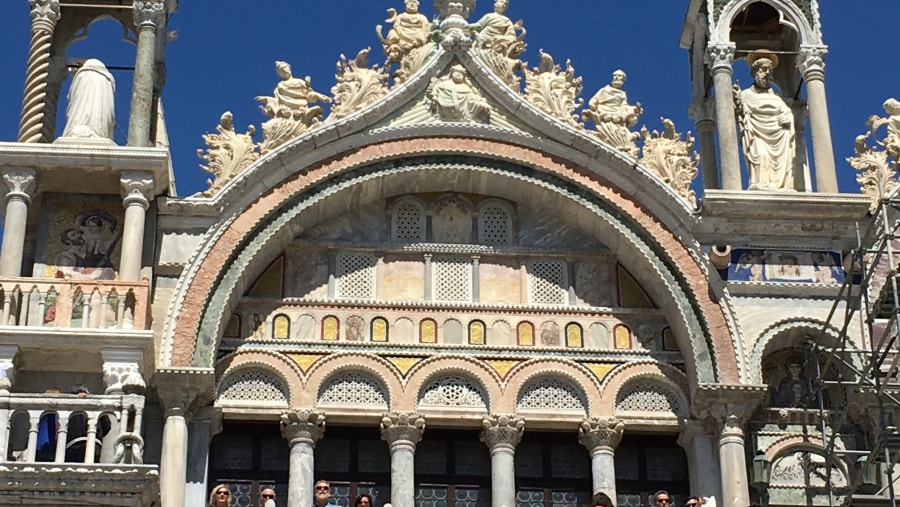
(448, 282)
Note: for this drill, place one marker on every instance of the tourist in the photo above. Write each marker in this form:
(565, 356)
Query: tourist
(220, 496)
(323, 494)
(364, 501)
(267, 497)
(692, 501)
(662, 498)
(601, 500)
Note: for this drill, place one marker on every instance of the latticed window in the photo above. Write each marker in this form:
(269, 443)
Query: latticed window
(356, 276)
(455, 391)
(551, 393)
(495, 224)
(452, 278)
(649, 396)
(354, 389)
(408, 222)
(254, 385)
(548, 282)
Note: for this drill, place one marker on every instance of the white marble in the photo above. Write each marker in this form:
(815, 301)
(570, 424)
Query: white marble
(91, 112)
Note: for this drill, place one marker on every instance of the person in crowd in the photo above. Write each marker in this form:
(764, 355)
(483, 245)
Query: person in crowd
(692, 501)
(601, 500)
(662, 498)
(364, 501)
(322, 495)
(267, 497)
(220, 496)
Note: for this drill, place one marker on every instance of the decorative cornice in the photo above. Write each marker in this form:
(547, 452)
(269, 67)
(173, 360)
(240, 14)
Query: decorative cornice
(502, 430)
(149, 13)
(402, 428)
(600, 432)
(303, 426)
(44, 14)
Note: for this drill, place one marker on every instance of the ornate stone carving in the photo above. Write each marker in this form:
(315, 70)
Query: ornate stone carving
(129, 447)
(554, 91)
(302, 425)
(180, 389)
(452, 391)
(812, 62)
(7, 367)
(354, 389)
(44, 15)
(121, 368)
(877, 173)
(149, 12)
(405, 427)
(499, 42)
(91, 111)
(289, 108)
(453, 97)
(600, 432)
(502, 430)
(137, 186)
(254, 385)
(448, 8)
(20, 182)
(720, 57)
(407, 41)
(613, 116)
(227, 152)
(671, 158)
(357, 85)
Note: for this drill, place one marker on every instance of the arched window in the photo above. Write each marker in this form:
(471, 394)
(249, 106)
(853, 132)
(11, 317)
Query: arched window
(408, 221)
(495, 223)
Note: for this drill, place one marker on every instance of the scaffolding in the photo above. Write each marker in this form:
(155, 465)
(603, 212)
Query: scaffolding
(868, 302)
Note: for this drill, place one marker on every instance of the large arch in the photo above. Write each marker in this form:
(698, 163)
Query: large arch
(794, 16)
(236, 250)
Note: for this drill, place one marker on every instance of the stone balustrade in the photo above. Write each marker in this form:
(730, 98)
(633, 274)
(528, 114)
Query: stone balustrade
(64, 303)
(64, 428)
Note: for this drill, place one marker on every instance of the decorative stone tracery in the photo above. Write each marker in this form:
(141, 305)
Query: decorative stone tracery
(553, 394)
(650, 397)
(354, 389)
(452, 391)
(255, 386)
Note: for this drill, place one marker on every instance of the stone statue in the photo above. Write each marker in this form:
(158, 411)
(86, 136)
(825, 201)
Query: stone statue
(409, 30)
(292, 97)
(499, 41)
(767, 128)
(613, 116)
(91, 113)
(453, 98)
(891, 141)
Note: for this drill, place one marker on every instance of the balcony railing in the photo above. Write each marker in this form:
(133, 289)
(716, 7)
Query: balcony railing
(74, 303)
(64, 428)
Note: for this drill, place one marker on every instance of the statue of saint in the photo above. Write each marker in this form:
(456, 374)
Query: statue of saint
(91, 112)
(891, 141)
(767, 128)
(292, 97)
(613, 116)
(409, 30)
(496, 32)
(455, 99)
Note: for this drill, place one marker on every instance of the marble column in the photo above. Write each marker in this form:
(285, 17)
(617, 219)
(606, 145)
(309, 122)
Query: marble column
(732, 455)
(20, 183)
(601, 436)
(811, 64)
(302, 429)
(502, 434)
(44, 15)
(719, 57)
(703, 458)
(402, 431)
(149, 17)
(137, 188)
(7, 377)
(205, 424)
(703, 113)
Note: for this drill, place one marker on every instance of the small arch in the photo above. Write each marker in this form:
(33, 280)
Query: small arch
(553, 394)
(574, 336)
(441, 367)
(496, 222)
(379, 330)
(453, 391)
(404, 330)
(651, 397)
(573, 373)
(428, 331)
(352, 362)
(253, 386)
(622, 337)
(620, 377)
(355, 330)
(789, 15)
(525, 334)
(353, 388)
(281, 327)
(331, 328)
(453, 332)
(407, 219)
(451, 219)
(233, 328)
(477, 333)
(276, 364)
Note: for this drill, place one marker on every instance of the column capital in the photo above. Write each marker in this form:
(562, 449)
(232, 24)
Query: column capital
(502, 430)
(122, 371)
(181, 389)
(7, 367)
(402, 427)
(44, 14)
(137, 188)
(149, 13)
(719, 57)
(601, 432)
(20, 182)
(811, 62)
(727, 407)
(302, 426)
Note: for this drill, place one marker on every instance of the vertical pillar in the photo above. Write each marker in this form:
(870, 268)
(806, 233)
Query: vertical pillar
(44, 15)
(702, 111)
(601, 436)
(7, 377)
(702, 458)
(203, 426)
(732, 456)
(302, 429)
(137, 188)
(476, 278)
(149, 16)
(402, 431)
(62, 433)
(811, 64)
(502, 434)
(719, 58)
(20, 184)
(429, 278)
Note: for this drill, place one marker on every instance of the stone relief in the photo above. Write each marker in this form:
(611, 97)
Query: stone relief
(290, 108)
(877, 172)
(227, 152)
(767, 127)
(499, 42)
(806, 469)
(358, 85)
(553, 90)
(407, 40)
(91, 112)
(613, 116)
(453, 97)
(671, 158)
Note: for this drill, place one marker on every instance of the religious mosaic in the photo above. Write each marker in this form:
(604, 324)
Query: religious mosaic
(82, 238)
(750, 265)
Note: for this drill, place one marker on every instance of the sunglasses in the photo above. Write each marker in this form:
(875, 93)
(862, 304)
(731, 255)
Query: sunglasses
(322, 488)
(268, 497)
(223, 492)
(663, 500)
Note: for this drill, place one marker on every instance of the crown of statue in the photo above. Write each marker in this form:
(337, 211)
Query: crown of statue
(759, 54)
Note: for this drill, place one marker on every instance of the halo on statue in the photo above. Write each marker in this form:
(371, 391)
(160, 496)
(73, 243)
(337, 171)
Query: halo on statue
(760, 54)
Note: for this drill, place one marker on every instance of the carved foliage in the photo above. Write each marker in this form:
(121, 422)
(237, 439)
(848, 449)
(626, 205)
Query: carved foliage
(877, 165)
(227, 152)
(357, 85)
(554, 90)
(671, 158)
(405, 427)
(502, 430)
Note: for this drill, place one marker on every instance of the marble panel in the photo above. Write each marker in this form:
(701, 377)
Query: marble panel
(499, 281)
(592, 283)
(401, 278)
(309, 277)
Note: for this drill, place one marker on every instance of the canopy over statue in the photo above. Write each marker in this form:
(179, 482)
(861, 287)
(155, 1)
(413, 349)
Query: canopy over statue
(91, 112)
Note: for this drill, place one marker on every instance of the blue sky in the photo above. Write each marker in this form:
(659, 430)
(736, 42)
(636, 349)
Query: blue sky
(225, 51)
